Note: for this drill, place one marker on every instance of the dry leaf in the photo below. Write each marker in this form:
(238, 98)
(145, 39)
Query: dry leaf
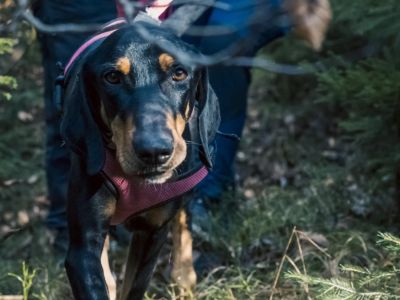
(24, 116)
(10, 182)
(23, 218)
(33, 179)
(249, 193)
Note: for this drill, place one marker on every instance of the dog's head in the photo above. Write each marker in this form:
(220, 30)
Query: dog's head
(132, 96)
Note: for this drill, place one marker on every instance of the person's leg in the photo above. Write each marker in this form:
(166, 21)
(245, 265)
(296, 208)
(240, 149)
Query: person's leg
(58, 48)
(231, 84)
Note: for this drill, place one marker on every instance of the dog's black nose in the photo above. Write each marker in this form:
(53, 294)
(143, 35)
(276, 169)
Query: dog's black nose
(154, 150)
(154, 156)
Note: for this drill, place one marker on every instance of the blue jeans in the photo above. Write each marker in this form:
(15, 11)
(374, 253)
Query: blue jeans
(231, 84)
(59, 48)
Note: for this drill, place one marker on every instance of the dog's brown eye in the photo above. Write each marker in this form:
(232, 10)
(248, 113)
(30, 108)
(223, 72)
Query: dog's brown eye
(179, 74)
(113, 77)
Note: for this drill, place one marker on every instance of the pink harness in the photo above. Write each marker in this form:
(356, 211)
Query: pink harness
(135, 197)
(159, 10)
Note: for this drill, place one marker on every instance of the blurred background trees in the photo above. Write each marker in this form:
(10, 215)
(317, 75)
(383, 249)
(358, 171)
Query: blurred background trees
(356, 87)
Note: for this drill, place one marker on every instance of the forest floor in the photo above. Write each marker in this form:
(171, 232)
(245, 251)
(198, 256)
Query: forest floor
(292, 181)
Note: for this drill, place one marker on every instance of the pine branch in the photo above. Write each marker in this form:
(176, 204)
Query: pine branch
(327, 288)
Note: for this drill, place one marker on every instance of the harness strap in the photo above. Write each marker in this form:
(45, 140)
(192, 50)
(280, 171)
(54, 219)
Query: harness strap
(107, 30)
(135, 197)
(159, 10)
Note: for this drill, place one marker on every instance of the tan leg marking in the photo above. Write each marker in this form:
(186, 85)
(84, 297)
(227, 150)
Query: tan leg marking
(165, 60)
(111, 284)
(182, 270)
(311, 19)
(123, 65)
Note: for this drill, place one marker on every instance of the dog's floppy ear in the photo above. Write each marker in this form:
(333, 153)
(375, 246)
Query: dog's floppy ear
(209, 117)
(78, 126)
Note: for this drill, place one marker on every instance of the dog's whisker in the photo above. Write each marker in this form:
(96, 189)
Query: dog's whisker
(192, 143)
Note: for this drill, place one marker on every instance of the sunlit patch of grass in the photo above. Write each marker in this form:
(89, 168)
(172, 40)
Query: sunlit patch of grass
(229, 282)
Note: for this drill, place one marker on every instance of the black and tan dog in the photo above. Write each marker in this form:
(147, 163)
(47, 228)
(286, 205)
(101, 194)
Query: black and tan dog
(129, 102)
(133, 112)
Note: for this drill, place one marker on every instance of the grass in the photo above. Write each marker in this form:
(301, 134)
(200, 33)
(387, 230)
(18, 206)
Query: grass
(292, 175)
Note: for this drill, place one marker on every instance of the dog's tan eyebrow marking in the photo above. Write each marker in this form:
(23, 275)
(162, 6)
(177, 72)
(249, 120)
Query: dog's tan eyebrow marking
(123, 65)
(165, 60)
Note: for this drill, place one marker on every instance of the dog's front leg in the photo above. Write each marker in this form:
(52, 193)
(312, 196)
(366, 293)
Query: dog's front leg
(90, 207)
(150, 234)
(183, 272)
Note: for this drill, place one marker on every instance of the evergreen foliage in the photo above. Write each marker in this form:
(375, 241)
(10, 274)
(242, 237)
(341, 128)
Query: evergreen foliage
(366, 90)
(368, 96)
(358, 87)
(7, 83)
(359, 283)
